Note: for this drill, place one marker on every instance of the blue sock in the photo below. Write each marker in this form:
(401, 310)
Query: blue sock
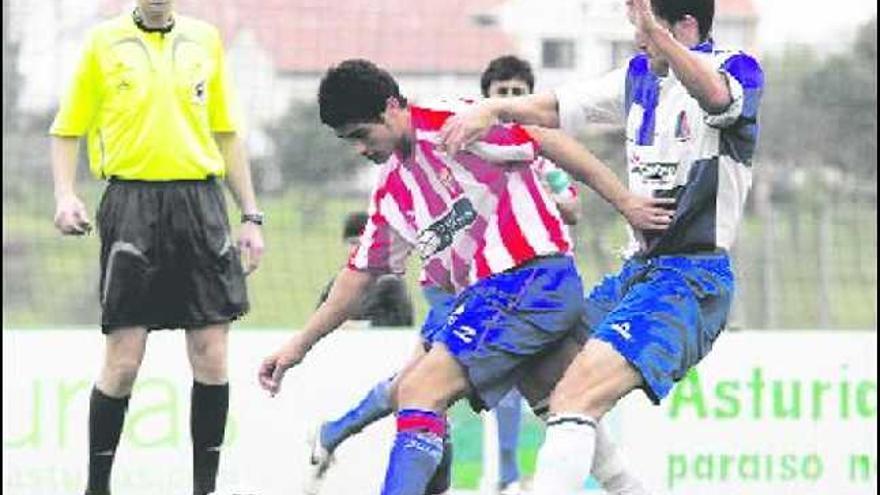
(416, 454)
(376, 405)
(509, 415)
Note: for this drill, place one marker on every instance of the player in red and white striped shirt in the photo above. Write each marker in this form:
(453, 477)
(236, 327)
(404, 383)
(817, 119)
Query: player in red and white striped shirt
(483, 226)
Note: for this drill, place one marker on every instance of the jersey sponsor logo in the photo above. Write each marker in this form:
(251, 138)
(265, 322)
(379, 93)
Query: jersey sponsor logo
(440, 234)
(658, 174)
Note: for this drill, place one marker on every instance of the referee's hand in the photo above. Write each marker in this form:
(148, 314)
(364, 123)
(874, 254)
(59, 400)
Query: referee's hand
(251, 246)
(71, 217)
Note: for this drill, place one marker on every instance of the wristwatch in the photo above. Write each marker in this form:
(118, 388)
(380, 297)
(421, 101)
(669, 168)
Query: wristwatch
(254, 218)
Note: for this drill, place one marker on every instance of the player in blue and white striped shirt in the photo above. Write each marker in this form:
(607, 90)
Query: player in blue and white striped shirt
(690, 111)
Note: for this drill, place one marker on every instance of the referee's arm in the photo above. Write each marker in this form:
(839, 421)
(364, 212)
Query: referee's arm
(238, 178)
(238, 172)
(71, 217)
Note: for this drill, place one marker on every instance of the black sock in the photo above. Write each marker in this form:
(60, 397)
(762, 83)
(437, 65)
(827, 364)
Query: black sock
(207, 422)
(106, 416)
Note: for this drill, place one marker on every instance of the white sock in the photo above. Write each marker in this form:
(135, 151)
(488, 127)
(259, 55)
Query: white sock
(565, 458)
(609, 468)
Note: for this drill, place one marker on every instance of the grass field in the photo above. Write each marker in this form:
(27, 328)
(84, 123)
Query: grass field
(49, 280)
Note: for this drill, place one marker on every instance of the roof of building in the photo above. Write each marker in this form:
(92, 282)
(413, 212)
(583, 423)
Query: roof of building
(406, 36)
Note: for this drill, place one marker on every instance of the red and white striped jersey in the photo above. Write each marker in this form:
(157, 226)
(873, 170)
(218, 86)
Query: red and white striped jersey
(478, 213)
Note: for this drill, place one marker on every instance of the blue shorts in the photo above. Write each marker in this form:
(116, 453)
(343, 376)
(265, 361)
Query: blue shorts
(442, 303)
(501, 322)
(663, 313)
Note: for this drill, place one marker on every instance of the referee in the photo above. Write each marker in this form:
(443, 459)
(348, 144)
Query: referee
(152, 96)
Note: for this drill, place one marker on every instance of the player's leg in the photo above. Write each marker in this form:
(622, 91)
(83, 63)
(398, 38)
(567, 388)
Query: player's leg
(123, 354)
(673, 310)
(209, 406)
(509, 417)
(594, 381)
(609, 466)
(496, 326)
(206, 281)
(126, 219)
(376, 404)
(424, 394)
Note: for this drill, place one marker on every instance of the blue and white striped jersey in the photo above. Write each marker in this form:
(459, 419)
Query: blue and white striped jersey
(677, 149)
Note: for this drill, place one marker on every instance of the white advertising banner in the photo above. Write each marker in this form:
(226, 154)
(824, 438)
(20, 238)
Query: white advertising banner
(768, 413)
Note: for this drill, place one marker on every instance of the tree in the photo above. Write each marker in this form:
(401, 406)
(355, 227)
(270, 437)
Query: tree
(308, 151)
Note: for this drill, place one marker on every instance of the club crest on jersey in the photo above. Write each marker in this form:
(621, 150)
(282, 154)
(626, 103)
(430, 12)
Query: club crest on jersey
(445, 177)
(199, 92)
(682, 127)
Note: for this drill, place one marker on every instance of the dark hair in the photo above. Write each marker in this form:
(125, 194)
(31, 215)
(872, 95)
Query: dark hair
(506, 68)
(354, 224)
(673, 11)
(355, 91)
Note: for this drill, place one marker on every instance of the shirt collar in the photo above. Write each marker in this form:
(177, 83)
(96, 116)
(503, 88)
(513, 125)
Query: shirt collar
(705, 47)
(139, 22)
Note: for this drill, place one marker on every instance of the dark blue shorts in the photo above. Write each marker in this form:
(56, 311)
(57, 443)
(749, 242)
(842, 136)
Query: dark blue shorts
(663, 313)
(442, 303)
(498, 324)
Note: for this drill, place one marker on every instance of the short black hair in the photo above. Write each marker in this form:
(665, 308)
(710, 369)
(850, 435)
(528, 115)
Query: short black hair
(673, 11)
(505, 68)
(354, 224)
(354, 92)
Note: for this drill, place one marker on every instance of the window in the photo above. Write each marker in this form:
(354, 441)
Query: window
(557, 54)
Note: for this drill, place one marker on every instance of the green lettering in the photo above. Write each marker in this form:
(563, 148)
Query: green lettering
(31, 438)
(860, 467)
(866, 399)
(789, 467)
(748, 467)
(689, 392)
(704, 467)
(819, 388)
(166, 408)
(780, 411)
(811, 467)
(726, 462)
(757, 386)
(726, 392)
(844, 397)
(676, 469)
(65, 394)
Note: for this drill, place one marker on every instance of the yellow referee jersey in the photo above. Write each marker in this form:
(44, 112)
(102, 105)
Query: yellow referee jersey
(149, 102)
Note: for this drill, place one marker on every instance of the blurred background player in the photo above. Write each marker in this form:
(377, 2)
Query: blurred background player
(387, 303)
(162, 134)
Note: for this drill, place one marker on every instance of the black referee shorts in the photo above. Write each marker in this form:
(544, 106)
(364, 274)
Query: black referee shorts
(168, 259)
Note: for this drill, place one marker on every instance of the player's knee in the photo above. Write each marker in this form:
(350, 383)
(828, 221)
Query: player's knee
(411, 392)
(209, 368)
(119, 375)
(571, 398)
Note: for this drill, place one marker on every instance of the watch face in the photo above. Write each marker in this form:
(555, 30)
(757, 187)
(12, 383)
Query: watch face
(256, 218)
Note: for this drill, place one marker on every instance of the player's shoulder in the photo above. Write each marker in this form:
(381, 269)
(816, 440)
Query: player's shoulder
(110, 30)
(726, 55)
(443, 105)
(743, 66)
